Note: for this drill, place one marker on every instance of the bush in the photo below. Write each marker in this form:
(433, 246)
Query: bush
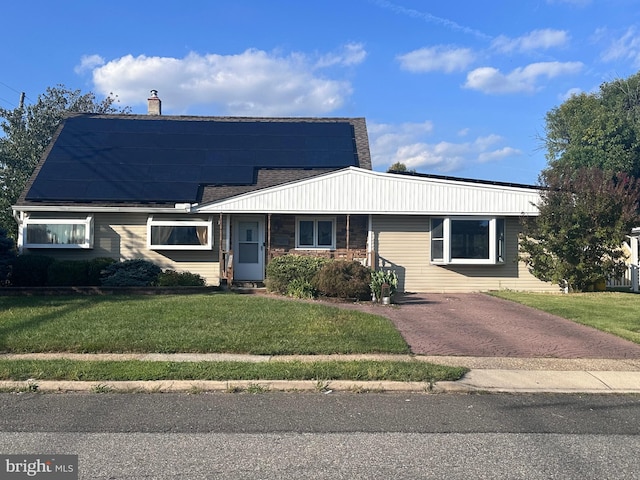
(130, 273)
(66, 273)
(281, 271)
(344, 279)
(95, 268)
(30, 270)
(299, 288)
(7, 257)
(171, 278)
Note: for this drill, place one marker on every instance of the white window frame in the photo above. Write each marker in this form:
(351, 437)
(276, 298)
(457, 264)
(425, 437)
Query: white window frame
(86, 221)
(315, 221)
(496, 244)
(176, 222)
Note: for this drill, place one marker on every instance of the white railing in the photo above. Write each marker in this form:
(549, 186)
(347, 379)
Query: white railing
(629, 280)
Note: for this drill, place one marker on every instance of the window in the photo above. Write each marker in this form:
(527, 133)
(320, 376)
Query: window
(179, 234)
(58, 232)
(316, 233)
(467, 240)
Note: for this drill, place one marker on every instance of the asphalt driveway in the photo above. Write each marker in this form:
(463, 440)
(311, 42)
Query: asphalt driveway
(478, 325)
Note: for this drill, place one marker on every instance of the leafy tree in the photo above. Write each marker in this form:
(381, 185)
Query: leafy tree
(27, 132)
(584, 216)
(399, 167)
(599, 129)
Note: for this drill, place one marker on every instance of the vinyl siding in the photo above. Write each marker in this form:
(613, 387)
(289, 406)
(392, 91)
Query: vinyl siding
(124, 237)
(403, 243)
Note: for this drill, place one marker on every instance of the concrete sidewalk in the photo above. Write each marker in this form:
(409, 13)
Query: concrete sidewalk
(487, 374)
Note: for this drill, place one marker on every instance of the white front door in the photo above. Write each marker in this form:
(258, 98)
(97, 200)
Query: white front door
(248, 248)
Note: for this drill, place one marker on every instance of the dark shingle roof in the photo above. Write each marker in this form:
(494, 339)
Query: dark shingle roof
(133, 159)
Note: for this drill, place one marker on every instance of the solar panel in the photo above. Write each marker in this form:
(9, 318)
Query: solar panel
(137, 159)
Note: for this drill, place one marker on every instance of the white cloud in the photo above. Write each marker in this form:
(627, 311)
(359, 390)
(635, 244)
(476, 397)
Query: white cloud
(253, 82)
(88, 63)
(535, 40)
(570, 93)
(521, 80)
(626, 47)
(496, 155)
(439, 58)
(408, 143)
(350, 54)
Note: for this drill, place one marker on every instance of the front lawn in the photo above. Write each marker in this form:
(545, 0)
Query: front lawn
(613, 312)
(212, 323)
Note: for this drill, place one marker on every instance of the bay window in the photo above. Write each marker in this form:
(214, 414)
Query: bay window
(467, 240)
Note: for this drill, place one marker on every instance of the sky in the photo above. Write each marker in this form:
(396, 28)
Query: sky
(458, 88)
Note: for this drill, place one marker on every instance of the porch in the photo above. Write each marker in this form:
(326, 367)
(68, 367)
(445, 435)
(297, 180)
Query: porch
(249, 242)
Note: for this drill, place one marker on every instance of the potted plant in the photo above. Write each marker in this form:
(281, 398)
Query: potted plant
(380, 278)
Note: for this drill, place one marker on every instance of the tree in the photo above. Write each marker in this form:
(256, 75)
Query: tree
(584, 216)
(399, 167)
(599, 129)
(27, 132)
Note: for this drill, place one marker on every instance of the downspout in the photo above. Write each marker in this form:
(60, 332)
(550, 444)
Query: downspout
(348, 221)
(19, 218)
(268, 253)
(370, 247)
(222, 260)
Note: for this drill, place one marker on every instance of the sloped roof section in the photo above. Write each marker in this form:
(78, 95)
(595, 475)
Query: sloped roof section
(135, 159)
(358, 191)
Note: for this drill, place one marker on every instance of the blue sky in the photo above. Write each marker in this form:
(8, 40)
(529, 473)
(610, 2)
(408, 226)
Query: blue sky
(457, 88)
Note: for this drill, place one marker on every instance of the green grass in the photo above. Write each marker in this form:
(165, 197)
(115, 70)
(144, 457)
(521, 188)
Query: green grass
(140, 370)
(214, 323)
(614, 312)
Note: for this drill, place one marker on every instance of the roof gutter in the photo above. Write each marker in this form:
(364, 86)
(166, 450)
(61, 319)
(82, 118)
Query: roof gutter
(178, 208)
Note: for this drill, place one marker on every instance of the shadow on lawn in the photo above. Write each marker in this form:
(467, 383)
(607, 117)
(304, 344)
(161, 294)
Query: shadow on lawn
(59, 306)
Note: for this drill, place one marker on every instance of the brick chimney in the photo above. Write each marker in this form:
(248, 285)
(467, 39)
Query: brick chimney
(155, 105)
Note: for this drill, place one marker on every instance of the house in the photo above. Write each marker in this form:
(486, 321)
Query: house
(222, 196)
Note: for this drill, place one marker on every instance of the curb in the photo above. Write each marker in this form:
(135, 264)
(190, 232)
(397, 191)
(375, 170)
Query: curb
(228, 386)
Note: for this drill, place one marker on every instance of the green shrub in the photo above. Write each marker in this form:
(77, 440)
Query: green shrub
(130, 273)
(66, 273)
(171, 278)
(95, 267)
(281, 271)
(30, 270)
(343, 279)
(7, 257)
(299, 288)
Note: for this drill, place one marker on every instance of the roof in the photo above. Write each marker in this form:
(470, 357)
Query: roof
(140, 159)
(358, 191)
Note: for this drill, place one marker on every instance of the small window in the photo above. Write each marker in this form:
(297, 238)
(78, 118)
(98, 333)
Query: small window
(317, 233)
(58, 232)
(178, 234)
(467, 240)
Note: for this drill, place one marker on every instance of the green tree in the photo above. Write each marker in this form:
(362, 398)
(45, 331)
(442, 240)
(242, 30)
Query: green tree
(599, 129)
(399, 167)
(584, 217)
(28, 130)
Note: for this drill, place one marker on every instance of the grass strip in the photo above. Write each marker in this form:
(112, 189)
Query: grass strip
(612, 312)
(63, 369)
(210, 323)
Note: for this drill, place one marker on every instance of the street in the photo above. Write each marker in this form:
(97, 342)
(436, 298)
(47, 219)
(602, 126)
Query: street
(332, 436)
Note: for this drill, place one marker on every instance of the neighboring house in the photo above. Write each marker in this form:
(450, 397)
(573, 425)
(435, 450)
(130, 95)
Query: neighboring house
(222, 196)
